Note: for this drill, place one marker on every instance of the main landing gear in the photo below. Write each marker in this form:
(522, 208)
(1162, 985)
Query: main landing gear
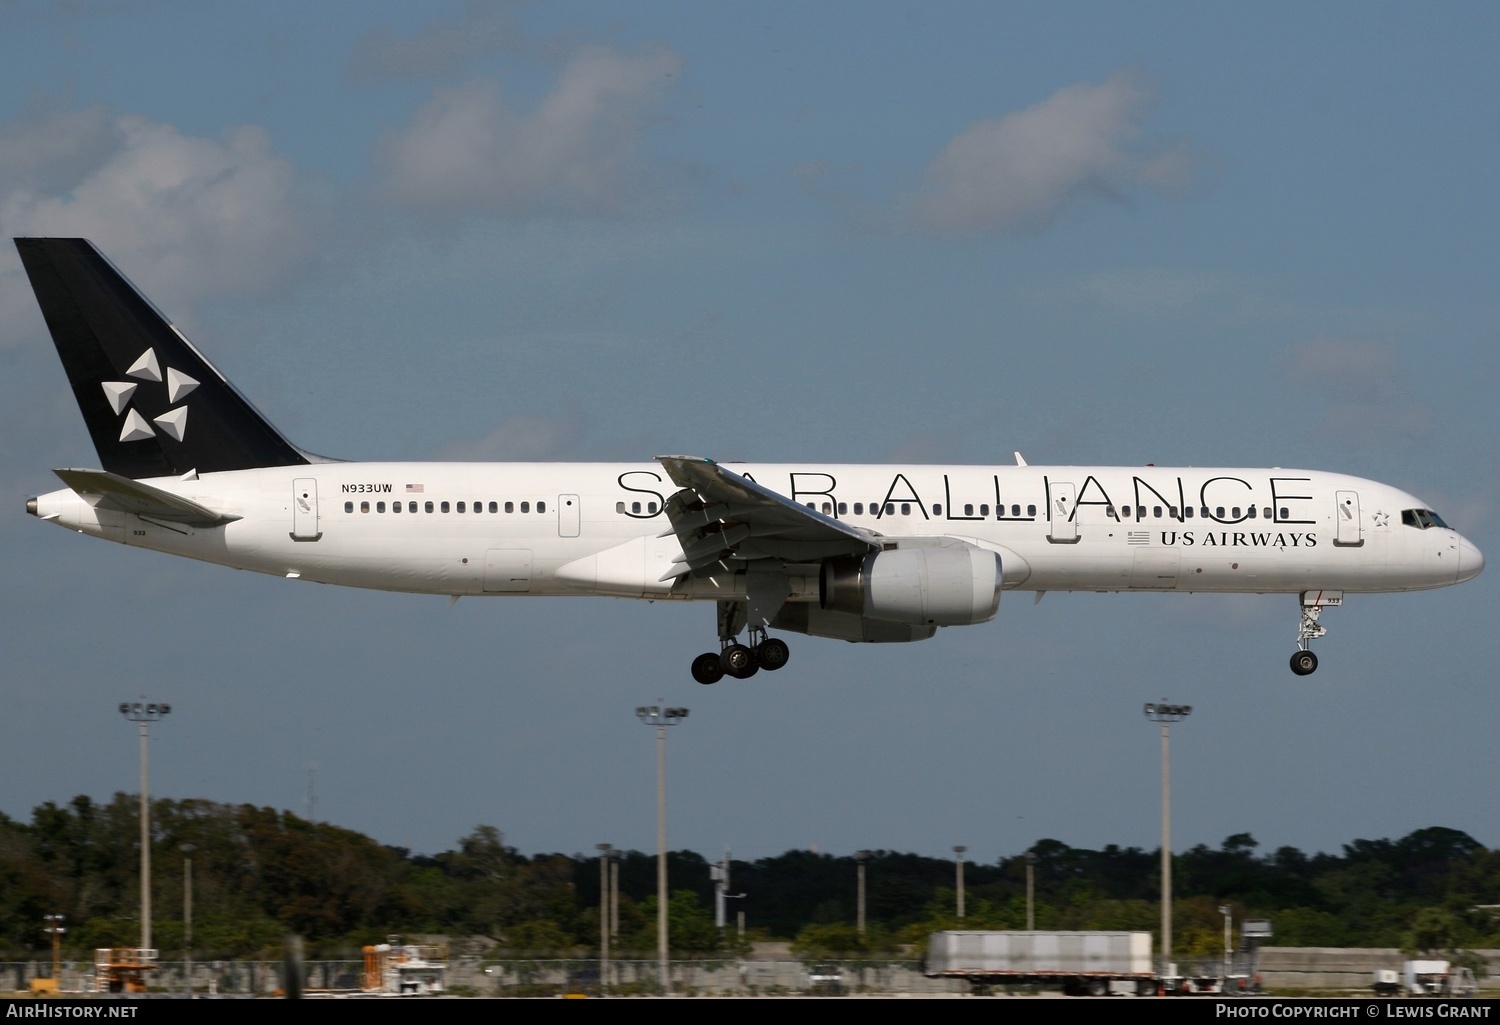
(741, 661)
(1304, 662)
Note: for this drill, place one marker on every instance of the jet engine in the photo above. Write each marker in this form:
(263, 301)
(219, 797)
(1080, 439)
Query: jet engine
(953, 585)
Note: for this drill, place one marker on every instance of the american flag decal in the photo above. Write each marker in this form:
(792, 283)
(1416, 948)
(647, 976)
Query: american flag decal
(415, 489)
(1138, 537)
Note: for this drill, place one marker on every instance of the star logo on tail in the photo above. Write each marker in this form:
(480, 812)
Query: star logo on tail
(135, 427)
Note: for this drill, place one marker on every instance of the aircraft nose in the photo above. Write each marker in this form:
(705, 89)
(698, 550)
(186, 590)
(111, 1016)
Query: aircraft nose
(1470, 560)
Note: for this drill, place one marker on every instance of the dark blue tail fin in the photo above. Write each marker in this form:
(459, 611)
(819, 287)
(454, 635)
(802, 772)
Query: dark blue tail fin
(154, 406)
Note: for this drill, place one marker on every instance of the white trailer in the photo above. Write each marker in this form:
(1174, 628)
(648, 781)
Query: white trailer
(1081, 963)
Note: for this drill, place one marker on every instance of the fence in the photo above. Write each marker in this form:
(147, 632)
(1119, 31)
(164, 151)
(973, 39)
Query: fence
(489, 977)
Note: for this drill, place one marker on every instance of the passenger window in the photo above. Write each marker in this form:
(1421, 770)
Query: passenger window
(968, 509)
(890, 508)
(395, 507)
(364, 507)
(905, 508)
(1031, 510)
(984, 509)
(427, 506)
(1218, 512)
(460, 507)
(411, 507)
(1284, 514)
(1015, 510)
(635, 507)
(1268, 512)
(843, 508)
(1251, 512)
(380, 507)
(937, 510)
(541, 507)
(494, 507)
(1236, 512)
(859, 508)
(348, 507)
(1156, 512)
(444, 507)
(827, 508)
(619, 507)
(1187, 512)
(510, 507)
(526, 507)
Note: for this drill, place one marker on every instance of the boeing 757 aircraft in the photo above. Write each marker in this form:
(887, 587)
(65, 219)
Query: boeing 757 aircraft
(858, 553)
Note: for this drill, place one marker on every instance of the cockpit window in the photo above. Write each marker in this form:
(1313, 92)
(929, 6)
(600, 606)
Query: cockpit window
(1422, 519)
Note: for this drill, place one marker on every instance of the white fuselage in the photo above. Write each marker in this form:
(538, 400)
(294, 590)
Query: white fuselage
(595, 528)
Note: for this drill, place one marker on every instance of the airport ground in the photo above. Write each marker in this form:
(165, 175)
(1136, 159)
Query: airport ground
(1287, 971)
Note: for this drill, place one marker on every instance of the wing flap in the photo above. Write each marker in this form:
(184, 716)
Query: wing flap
(720, 514)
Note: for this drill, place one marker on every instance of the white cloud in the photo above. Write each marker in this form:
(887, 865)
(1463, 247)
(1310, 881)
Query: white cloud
(1369, 395)
(1018, 172)
(468, 149)
(481, 30)
(521, 437)
(194, 216)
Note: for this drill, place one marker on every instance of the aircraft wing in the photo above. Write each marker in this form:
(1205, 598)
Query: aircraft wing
(719, 514)
(113, 491)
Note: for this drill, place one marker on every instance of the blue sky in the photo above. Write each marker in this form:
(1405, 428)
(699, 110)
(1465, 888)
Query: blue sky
(1210, 234)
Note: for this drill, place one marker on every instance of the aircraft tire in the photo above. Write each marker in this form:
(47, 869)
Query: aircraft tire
(1304, 663)
(707, 669)
(772, 654)
(736, 658)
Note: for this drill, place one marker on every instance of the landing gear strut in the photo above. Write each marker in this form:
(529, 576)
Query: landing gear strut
(741, 661)
(1304, 662)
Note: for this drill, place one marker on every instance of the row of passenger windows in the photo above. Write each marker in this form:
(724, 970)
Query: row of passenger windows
(1219, 512)
(1410, 516)
(478, 507)
(905, 507)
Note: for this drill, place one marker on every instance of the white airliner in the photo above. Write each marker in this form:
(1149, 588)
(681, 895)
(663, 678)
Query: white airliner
(858, 553)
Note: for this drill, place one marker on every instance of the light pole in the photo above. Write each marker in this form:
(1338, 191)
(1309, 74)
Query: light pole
(958, 852)
(187, 910)
(55, 927)
(661, 718)
(604, 850)
(1166, 715)
(860, 857)
(614, 894)
(144, 714)
(1228, 920)
(1030, 891)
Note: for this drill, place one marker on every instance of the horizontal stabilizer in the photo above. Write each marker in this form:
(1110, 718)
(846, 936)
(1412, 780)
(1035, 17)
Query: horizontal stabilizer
(110, 489)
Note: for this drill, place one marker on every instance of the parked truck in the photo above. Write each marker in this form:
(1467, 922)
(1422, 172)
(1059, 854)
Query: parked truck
(1081, 963)
(1427, 978)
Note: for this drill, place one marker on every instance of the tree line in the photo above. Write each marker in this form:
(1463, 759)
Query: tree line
(259, 874)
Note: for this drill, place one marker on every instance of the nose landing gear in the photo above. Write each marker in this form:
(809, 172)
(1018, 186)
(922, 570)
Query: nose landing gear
(1304, 662)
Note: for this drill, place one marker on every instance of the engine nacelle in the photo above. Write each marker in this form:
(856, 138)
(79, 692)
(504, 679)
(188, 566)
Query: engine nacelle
(952, 585)
(807, 618)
